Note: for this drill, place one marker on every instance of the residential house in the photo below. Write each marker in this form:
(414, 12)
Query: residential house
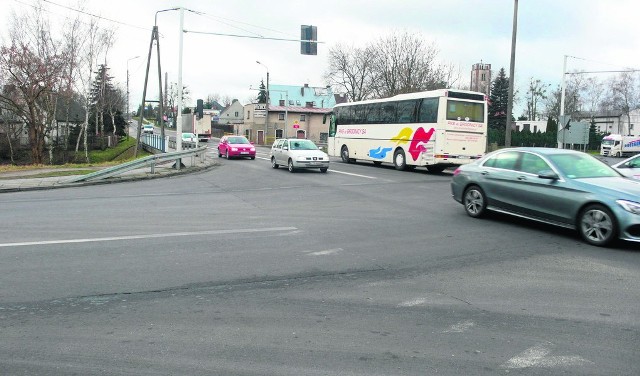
(293, 111)
(613, 121)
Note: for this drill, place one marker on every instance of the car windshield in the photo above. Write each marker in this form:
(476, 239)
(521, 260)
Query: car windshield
(303, 145)
(579, 166)
(238, 140)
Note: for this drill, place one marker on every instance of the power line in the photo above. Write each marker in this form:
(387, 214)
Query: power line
(603, 63)
(89, 14)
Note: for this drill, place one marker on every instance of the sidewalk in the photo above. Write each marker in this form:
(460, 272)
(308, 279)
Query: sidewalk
(16, 181)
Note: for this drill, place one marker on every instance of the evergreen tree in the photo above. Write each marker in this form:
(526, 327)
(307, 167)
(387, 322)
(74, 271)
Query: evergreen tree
(498, 101)
(262, 95)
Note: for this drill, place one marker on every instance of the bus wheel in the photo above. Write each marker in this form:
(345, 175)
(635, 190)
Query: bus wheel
(344, 154)
(399, 160)
(435, 169)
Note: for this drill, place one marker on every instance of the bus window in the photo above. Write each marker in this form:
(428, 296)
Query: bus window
(388, 113)
(373, 113)
(428, 112)
(406, 112)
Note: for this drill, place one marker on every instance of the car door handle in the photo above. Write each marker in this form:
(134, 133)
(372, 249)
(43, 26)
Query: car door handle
(522, 177)
(485, 172)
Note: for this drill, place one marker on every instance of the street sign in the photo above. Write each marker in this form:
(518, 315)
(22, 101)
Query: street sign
(574, 132)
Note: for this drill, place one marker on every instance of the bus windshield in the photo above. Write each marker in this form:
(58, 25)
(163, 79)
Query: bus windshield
(467, 111)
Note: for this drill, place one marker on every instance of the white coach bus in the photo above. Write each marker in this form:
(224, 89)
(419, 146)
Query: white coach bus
(436, 129)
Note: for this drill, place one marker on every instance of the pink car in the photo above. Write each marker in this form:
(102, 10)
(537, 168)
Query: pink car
(236, 147)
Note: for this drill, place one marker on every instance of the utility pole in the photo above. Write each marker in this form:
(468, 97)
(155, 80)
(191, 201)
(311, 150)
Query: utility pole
(507, 135)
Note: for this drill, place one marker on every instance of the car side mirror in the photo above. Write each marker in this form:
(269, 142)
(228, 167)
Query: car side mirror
(285, 148)
(251, 142)
(548, 174)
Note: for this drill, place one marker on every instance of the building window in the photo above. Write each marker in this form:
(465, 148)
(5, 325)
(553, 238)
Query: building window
(236, 115)
(291, 102)
(278, 133)
(281, 116)
(324, 137)
(302, 117)
(248, 114)
(281, 102)
(484, 77)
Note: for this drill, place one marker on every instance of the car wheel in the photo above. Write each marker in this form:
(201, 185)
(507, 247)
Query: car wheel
(344, 154)
(324, 169)
(253, 158)
(618, 155)
(597, 225)
(273, 163)
(291, 168)
(227, 154)
(219, 154)
(399, 160)
(474, 201)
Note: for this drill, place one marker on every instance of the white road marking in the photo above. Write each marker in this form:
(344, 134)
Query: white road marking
(460, 327)
(148, 236)
(325, 252)
(352, 174)
(536, 356)
(413, 302)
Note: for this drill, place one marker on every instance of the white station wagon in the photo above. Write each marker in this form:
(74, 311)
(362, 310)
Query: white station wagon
(298, 153)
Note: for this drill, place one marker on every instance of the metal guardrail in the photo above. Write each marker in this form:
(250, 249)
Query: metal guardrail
(149, 161)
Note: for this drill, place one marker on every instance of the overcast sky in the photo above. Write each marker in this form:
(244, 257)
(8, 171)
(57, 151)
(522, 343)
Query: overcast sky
(599, 35)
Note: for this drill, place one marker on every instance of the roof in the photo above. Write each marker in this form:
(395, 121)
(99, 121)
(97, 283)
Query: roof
(309, 110)
(299, 95)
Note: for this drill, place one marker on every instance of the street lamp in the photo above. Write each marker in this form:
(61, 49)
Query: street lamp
(267, 106)
(128, 111)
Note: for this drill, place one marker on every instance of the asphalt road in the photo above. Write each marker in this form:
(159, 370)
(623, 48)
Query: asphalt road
(246, 270)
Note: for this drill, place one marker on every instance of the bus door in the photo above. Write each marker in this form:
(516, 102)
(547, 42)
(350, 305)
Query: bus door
(331, 140)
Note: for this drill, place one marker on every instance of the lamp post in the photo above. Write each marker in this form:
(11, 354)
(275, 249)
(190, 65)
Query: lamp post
(267, 106)
(128, 110)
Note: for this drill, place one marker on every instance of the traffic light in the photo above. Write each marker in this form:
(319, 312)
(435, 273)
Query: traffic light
(308, 38)
(199, 111)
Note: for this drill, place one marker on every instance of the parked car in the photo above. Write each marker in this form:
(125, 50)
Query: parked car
(630, 167)
(297, 154)
(189, 137)
(236, 147)
(561, 187)
(147, 128)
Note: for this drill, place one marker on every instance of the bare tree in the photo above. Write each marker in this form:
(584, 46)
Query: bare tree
(624, 94)
(536, 92)
(30, 72)
(97, 40)
(115, 100)
(573, 98)
(400, 63)
(351, 71)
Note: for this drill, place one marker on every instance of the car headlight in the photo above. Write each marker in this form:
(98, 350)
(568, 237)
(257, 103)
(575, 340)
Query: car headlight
(234, 149)
(630, 206)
